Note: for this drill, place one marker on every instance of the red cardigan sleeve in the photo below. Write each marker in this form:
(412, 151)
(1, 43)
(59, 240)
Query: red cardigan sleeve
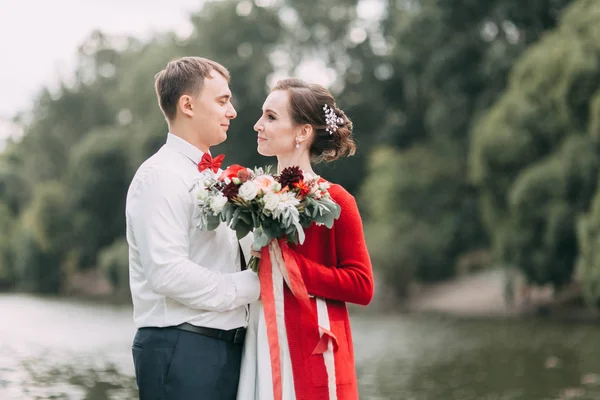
(352, 279)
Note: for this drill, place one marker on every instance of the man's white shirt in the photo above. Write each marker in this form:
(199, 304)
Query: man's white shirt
(179, 273)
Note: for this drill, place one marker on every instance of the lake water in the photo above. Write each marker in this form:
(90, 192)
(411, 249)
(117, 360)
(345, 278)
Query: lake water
(66, 349)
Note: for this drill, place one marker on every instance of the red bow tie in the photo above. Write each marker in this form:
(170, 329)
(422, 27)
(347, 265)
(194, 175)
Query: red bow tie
(211, 163)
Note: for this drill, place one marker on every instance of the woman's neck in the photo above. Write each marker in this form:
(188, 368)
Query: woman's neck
(299, 158)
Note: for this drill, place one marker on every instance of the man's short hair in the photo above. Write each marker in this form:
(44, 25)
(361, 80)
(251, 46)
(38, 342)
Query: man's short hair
(183, 76)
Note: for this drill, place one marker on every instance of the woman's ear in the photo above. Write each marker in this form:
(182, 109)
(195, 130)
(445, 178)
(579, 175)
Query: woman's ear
(306, 132)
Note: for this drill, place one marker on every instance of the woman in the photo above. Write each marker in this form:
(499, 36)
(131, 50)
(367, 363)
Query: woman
(301, 123)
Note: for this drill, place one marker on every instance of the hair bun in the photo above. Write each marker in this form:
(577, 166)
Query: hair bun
(342, 143)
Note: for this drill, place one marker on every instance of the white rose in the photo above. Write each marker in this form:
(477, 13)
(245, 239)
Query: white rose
(217, 203)
(248, 191)
(202, 195)
(271, 201)
(308, 176)
(324, 186)
(314, 186)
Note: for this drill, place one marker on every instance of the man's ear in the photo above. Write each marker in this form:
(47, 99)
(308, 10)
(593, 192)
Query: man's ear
(186, 105)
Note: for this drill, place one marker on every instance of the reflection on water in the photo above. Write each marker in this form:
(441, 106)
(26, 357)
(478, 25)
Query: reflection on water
(56, 349)
(433, 358)
(59, 349)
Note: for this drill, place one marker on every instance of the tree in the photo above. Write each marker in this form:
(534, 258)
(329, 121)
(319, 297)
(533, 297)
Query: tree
(535, 155)
(41, 241)
(544, 203)
(588, 262)
(15, 189)
(450, 61)
(98, 178)
(397, 206)
(113, 261)
(7, 227)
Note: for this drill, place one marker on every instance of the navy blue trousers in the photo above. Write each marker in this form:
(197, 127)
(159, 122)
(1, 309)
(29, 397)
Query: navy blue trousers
(171, 364)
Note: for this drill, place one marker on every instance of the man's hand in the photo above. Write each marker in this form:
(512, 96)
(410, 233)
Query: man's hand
(255, 253)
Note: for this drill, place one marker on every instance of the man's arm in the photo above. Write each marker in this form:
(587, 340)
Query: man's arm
(159, 210)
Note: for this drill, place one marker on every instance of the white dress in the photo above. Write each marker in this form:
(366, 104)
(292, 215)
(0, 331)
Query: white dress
(256, 381)
(255, 376)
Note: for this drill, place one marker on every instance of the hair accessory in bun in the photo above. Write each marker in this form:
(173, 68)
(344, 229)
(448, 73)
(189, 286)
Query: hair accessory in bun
(331, 119)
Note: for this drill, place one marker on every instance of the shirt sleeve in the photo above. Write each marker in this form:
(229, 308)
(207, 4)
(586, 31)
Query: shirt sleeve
(160, 210)
(352, 279)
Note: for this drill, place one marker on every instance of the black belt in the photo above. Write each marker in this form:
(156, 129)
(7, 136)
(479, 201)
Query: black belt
(234, 335)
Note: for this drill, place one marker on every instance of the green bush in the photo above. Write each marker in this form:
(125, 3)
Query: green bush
(588, 263)
(416, 224)
(544, 204)
(42, 239)
(14, 188)
(98, 177)
(114, 264)
(534, 154)
(7, 226)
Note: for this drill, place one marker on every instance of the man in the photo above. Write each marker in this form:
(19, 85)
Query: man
(189, 294)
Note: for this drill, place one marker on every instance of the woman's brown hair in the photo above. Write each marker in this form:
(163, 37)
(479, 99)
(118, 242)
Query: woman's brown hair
(308, 103)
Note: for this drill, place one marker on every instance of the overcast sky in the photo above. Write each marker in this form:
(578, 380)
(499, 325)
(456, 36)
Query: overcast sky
(39, 38)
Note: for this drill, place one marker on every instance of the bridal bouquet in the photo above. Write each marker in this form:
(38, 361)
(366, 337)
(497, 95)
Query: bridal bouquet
(271, 206)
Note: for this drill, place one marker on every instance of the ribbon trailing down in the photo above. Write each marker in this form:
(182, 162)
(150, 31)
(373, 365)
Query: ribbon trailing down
(277, 262)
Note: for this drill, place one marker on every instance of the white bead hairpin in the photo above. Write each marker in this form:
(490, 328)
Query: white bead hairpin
(331, 119)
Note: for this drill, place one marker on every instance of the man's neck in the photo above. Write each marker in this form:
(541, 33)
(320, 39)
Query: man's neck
(189, 136)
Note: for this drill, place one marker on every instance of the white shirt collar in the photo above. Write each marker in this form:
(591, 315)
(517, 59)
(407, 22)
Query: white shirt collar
(184, 147)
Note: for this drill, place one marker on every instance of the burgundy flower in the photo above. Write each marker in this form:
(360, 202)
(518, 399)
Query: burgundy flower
(290, 176)
(230, 190)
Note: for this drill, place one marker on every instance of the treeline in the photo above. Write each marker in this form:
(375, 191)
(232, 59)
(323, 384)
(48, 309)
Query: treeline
(477, 125)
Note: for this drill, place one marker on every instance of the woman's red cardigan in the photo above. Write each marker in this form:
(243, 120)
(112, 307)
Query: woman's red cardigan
(335, 266)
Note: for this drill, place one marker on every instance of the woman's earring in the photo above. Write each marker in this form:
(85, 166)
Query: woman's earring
(297, 144)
